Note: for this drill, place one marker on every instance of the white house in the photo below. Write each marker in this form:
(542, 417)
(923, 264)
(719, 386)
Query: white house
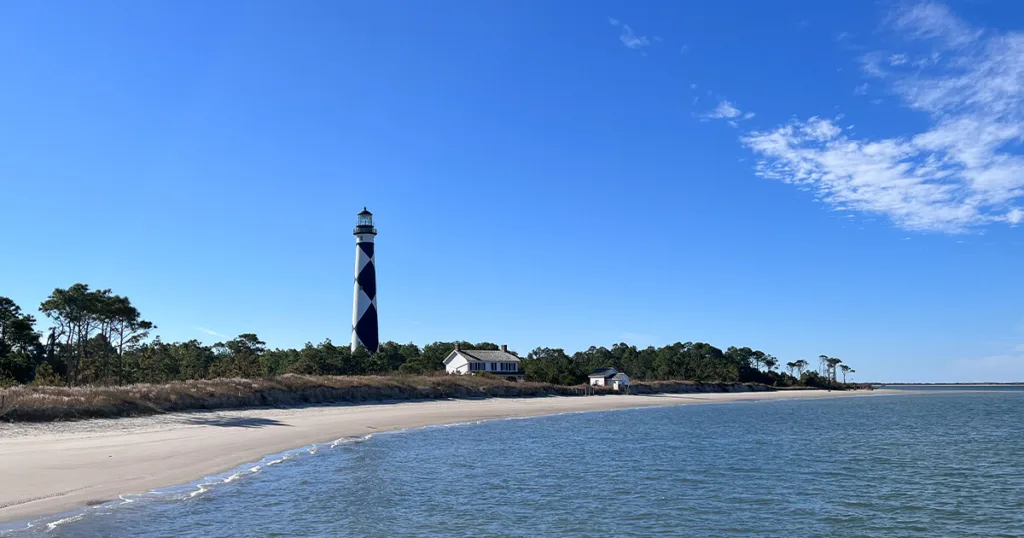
(609, 377)
(472, 361)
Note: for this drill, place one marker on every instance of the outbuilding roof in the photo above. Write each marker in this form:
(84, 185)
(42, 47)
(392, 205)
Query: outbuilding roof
(604, 372)
(482, 355)
(488, 355)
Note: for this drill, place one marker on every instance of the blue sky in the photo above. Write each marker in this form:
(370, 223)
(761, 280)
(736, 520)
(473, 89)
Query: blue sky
(799, 177)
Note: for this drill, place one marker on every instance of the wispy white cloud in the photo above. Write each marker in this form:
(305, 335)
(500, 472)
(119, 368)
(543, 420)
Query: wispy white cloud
(727, 111)
(897, 59)
(209, 332)
(684, 49)
(861, 89)
(632, 41)
(628, 38)
(724, 110)
(965, 170)
(934, 21)
(928, 60)
(871, 64)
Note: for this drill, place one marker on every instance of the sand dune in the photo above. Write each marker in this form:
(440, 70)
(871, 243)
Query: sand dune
(56, 467)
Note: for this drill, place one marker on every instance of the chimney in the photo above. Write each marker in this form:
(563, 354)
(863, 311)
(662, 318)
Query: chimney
(504, 348)
(458, 346)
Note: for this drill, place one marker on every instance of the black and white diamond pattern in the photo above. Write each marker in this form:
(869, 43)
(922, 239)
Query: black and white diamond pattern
(364, 302)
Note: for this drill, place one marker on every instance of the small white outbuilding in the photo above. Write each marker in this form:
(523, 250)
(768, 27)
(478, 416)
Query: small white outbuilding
(609, 377)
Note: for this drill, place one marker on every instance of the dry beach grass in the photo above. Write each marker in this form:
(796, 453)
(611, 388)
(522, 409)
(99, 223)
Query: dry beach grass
(30, 403)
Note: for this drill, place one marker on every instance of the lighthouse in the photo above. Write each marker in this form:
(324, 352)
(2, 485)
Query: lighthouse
(364, 300)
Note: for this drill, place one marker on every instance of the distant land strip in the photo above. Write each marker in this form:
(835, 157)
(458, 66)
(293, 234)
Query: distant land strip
(947, 384)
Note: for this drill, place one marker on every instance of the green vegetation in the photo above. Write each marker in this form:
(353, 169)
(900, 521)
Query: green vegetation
(98, 338)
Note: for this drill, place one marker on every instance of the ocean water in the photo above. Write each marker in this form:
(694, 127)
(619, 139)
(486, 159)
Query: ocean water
(931, 463)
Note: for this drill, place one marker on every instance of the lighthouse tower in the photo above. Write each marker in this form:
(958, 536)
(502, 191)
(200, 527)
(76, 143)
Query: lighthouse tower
(364, 300)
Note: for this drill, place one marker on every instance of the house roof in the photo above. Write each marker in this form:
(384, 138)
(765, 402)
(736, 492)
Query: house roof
(604, 372)
(483, 355)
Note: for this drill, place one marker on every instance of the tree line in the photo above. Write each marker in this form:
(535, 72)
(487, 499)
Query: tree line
(98, 337)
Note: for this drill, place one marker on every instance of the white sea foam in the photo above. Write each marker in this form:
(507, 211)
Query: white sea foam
(200, 489)
(436, 426)
(53, 525)
(351, 440)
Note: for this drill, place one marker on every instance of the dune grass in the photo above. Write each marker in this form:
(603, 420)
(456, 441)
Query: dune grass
(47, 403)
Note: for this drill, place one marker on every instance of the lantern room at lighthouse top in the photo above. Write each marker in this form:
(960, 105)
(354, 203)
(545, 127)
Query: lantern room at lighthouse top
(365, 224)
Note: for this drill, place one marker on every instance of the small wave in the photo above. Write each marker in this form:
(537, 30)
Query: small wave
(351, 440)
(199, 491)
(53, 525)
(437, 426)
(208, 483)
(440, 426)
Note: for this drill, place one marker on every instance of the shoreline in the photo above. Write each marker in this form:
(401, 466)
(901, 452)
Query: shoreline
(59, 467)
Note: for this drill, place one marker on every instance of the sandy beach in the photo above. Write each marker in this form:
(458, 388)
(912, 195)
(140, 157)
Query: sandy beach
(56, 467)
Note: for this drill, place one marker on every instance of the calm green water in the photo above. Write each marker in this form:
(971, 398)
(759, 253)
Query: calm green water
(930, 463)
